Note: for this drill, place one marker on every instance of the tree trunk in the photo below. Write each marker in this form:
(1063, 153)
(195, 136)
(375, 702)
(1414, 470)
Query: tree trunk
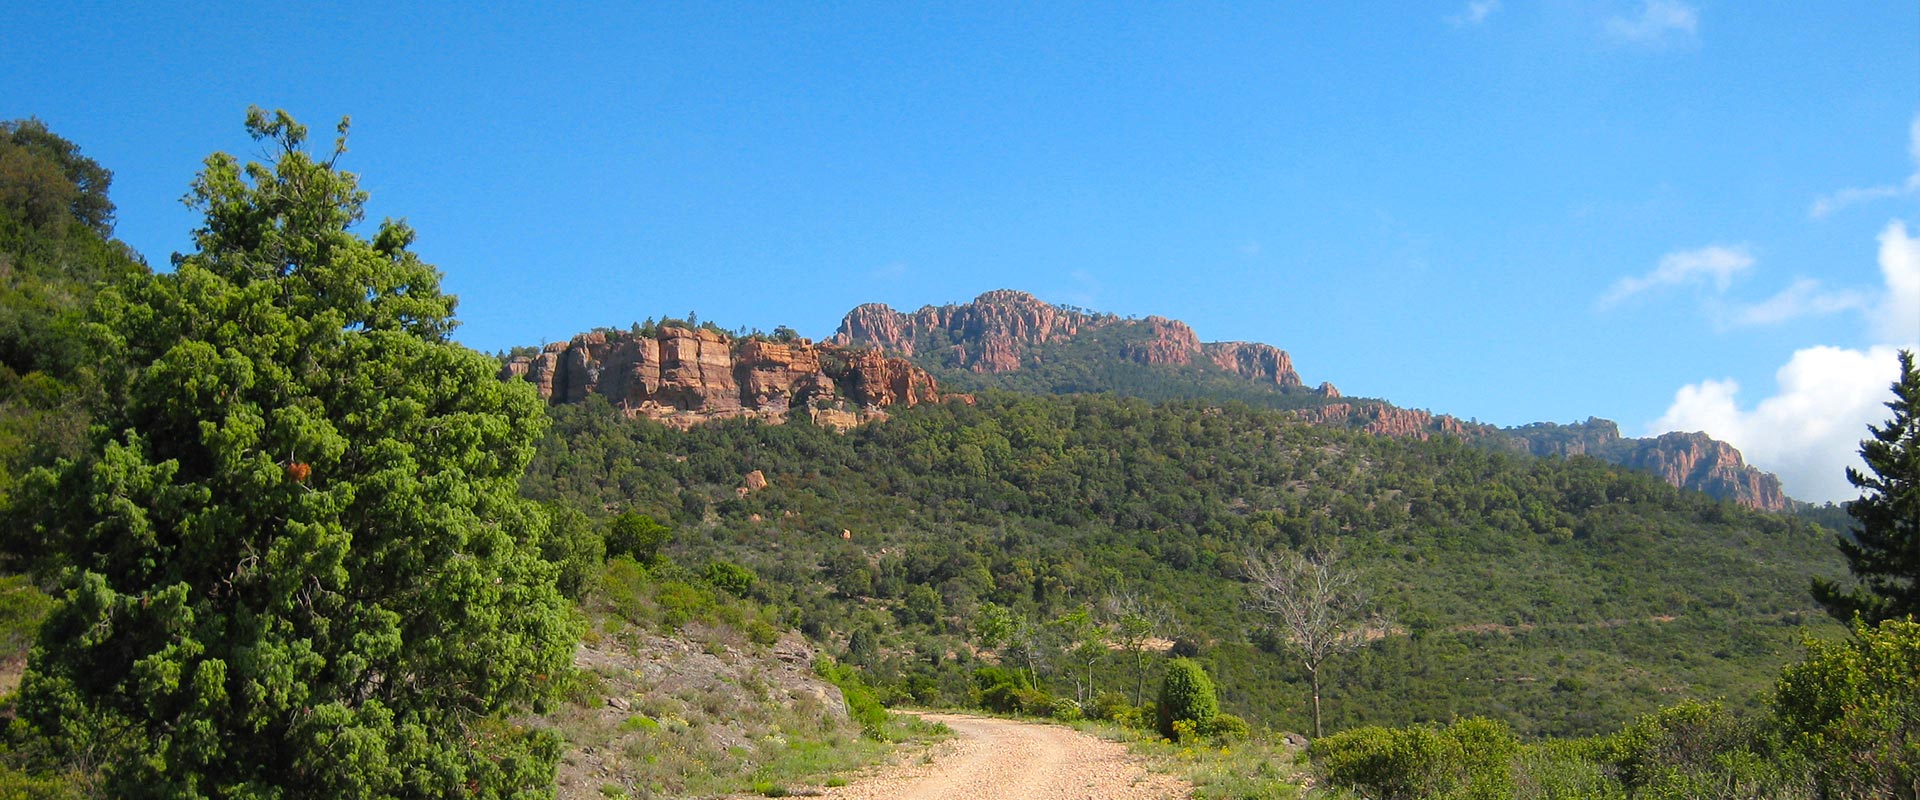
(1140, 675)
(1314, 676)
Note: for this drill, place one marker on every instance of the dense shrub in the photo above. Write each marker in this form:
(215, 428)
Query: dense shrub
(1065, 710)
(1186, 693)
(574, 546)
(1228, 728)
(1853, 708)
(862, 704)
(1112, 707)
(637, 536)
(1470, 759)
(730, 577)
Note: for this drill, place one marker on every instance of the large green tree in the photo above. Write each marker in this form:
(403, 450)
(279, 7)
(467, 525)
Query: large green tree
(298, 562)
(1884, 549)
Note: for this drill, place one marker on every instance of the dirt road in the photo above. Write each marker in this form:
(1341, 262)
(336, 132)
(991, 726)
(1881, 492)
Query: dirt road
(992, 759)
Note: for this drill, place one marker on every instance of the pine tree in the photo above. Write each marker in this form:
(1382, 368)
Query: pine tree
(1884, 550)
(299, 564)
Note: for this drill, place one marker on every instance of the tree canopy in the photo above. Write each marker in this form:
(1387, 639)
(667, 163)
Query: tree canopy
(1884, 549)
(294, 557)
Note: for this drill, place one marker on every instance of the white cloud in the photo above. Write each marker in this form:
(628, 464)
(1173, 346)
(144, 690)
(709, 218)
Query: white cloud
(1828, 204)
(1718, 263)
(1658, 21)
(1898, 316)
(891, 271)
(1475, 13)
(1809, 430)
(1804, 298)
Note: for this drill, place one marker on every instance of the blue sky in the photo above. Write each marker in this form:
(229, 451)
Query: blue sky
(1668, 213)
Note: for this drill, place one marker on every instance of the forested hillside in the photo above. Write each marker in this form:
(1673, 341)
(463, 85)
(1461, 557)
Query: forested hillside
(1564, 595)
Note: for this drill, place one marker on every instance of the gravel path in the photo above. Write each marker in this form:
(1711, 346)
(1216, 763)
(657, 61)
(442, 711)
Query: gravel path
(998, 758)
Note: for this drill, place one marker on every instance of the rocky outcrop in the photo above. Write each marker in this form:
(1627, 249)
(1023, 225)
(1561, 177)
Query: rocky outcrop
(1381, 419)
(1688, 460)
(1261, 363)
(1004, 330)
(1168, 342)
(684, 376)
(1697, 461)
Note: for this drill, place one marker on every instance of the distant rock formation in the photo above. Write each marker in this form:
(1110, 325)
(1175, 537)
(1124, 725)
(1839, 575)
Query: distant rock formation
(1688, 460)
(685, 376)
(1381, 419)
(1001, 330)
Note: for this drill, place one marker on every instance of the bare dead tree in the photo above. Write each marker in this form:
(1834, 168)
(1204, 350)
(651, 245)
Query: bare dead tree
(1136, 622)
(1317, 606)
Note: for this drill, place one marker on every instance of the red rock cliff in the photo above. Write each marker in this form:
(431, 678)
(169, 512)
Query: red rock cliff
(1697, 461)
(999, 330)
(1380, 419)
(685, 376)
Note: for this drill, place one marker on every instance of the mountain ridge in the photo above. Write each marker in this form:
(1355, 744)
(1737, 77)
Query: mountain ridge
(880, 358)
(1006, 331)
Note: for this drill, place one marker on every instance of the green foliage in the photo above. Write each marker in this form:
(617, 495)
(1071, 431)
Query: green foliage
(862, 704)
(730, 577)
(297, 565)
(1605, 594)
(22, 608)
(1883, 551)
(574, 546)
(1065, 710)
(44, 179)
(1468, 759)
(54, 254)
(637, 536)
(1186, 694)
(1853, 708)
(1845, 722)
(1228, 728)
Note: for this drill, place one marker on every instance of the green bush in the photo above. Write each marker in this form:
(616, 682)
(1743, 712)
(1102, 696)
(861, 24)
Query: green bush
(1852, 708)
(731, 578)
(862, 705)
(1186, 693)
(1470, 760)
(574, 546)
(1666, 747)
(1228, 728)
(1110, 706)
(637, 536)
(1064, 710)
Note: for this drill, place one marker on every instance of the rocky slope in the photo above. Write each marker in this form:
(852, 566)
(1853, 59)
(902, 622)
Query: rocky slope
(685, 376)
(1005, 331)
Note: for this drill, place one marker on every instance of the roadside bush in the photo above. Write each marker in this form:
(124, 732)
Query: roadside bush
(862, 705)
(1228, 728)
(1469, 760)
(1110, 706)
(1065, 710)
(1186, 693)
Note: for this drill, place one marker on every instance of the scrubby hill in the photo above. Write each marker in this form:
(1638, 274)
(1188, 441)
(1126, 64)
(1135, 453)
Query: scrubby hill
(1564, 595)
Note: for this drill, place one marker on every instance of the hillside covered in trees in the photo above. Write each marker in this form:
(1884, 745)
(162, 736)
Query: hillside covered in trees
(1563, 595)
